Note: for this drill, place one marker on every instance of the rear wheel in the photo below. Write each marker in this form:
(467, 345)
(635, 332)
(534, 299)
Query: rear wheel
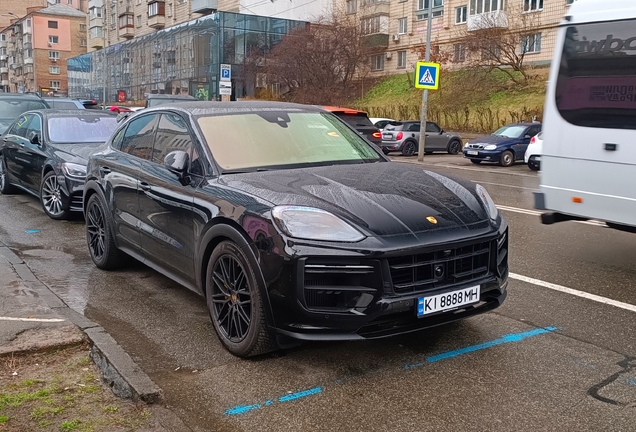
(533, 165)
(409, 148)
(507, 159)
(235, 303)
(52, 197)
(5, 187)
(454, 147)
(99, 236)
(475, 161)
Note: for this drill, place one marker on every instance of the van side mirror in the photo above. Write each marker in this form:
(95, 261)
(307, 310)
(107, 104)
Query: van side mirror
(177, 162)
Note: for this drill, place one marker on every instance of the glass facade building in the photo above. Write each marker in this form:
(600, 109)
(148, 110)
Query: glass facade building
(184, 59)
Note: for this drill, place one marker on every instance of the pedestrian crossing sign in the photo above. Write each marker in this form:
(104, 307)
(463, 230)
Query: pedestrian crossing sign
(427, 75)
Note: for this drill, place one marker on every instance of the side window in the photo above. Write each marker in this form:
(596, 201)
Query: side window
(117, 140)
(35, 125)
(139, 136)
(21, 126)
(533, 130)
(172, 134)
(432, 127)
(196, 163)
(415, 127)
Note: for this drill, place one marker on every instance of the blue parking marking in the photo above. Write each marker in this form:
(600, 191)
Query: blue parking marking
(31, 231)
(509, 338)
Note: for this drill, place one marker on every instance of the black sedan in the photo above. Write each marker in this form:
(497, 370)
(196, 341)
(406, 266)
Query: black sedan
(44, 152)
(505, 146)
(291, 225)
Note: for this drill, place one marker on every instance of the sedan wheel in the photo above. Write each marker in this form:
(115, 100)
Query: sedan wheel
(507, 159)
(408, 149)
(51, 197)
(99, 237)
(5, 187)
(235, 303)
(533, 165)
(454, 147)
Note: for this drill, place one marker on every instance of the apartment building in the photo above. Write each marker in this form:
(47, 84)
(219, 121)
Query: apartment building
(10, 10)
(399, 26)
(38, 46)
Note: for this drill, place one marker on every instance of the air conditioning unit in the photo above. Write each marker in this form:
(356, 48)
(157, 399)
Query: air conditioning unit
(396, 38)
(50, 44)
(389, 55)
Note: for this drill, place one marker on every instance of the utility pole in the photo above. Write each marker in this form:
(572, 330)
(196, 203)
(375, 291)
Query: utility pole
(422, 144)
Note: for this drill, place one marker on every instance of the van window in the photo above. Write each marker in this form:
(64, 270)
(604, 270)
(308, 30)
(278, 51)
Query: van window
(596, 85)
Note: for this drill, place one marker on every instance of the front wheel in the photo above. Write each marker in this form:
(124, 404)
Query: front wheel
(409, 148)
(475, 161)
(52, 197)
(235, 303)
(507, 159)
(454, 147)
(5, 187)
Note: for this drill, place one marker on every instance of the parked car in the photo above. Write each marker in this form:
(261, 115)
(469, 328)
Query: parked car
(504, 146)
(153, 100)
(359, 121)
(404, 137)
(533, 152)
(290, 225)
(380, 123)
(69, 103)
(118, 109)
(45, 153)
(14, 104)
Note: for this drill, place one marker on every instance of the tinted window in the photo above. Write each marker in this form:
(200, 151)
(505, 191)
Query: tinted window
(172, 134)
(12, 108)
(81, 129)
(432, 127)
(533, 130)
(63, 105)
(394, 126)
(596, 86)
(414, 127)
(356, 121)
(20, 126)
(35, 126)
(139, 135)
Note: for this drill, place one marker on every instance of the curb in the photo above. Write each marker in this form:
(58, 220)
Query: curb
(117, 368)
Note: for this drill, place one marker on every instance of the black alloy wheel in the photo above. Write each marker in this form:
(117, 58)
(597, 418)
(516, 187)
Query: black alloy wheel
(476, 161)
(5, 187)
(454, 147)
(101, 244)
(235, 303)
(507, 159)
(51, 197)
(409, 148)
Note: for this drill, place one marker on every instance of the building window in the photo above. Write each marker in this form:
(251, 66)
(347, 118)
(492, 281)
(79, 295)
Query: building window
(53, 39)
(352, 6)
(95, 12)
(70, 2)
(401, 63)
(54, 55)
(402, 25)
(460, 14)
(479, 6)
(54, 70)
(569, 2)
(52, 24)
(54, 84)
(96, 32)
(377, 62)
(82, 27)
(83, 42)
(138, 20)
(438, 8)
(28, 22)
(532, 5)
(156, 8)
(531, 44)
(371, 25)
(126, 20)
(459, 54)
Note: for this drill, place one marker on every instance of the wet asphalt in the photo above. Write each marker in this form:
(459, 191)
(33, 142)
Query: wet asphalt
(545, 360)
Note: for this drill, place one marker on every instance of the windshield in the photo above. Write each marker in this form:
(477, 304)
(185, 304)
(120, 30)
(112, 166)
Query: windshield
(84, 129)
(12, 108)
(394, 126)
(513, 131)
(275, 138)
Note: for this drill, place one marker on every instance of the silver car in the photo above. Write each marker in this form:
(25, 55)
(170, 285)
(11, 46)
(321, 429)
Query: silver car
(404, 137)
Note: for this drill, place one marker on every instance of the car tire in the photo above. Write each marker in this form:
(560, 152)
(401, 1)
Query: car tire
(409, 148)
(475, 161)
(51, 197)
(533, 165)
(386, 152)
(454, 147)
(99, 235)
(507, 159)
(235, 303)
(5, 187)
(428, 152)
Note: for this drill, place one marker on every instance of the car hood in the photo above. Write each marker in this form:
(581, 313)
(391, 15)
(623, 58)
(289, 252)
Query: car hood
(381, 199)
(76, 153)
(493, 139)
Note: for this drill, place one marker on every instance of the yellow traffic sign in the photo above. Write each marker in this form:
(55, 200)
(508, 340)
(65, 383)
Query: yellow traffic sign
(427, 75)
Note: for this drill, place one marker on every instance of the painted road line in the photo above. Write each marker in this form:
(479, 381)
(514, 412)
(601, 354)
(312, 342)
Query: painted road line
(32, 319)
(538, 213)
(509, 338)
(577, 293)
(464, 168)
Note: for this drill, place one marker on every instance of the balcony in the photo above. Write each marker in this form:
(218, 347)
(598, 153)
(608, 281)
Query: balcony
(372, 8)
(204, 6)
(96, 43)
(4, 82)
(377, 40)
(4, 69)
(157, 21)
(127, 32)
(487, 20)
(3, 43)
(28, 60)
(3, 57)
(95, 22)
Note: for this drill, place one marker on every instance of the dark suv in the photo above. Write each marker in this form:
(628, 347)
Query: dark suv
(14, 104)
(153, 100)
(69, 103)
(359, 121)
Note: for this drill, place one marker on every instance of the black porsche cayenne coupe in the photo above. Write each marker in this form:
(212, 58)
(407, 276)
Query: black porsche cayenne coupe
(290, 224)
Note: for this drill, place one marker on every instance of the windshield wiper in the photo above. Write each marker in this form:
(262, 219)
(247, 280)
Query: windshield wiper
(243, 171)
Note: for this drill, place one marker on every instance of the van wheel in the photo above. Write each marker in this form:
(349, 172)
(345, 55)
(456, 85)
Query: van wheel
(507, 159)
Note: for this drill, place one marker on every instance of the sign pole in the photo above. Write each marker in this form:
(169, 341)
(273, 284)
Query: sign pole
(422, 144)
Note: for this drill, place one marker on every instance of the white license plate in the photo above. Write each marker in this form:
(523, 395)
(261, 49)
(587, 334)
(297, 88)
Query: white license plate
(387, 136)
(537, 158)
(447, 301)
(472, 152)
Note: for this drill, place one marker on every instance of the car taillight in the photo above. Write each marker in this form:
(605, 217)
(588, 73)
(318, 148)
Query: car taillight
(399, 136)
(532, 140)
(377, 135)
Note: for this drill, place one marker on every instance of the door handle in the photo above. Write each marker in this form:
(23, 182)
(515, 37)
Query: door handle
(611, 147)
(105, 170)
(145, 186)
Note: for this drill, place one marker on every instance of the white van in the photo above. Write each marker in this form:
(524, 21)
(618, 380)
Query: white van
(588, 166)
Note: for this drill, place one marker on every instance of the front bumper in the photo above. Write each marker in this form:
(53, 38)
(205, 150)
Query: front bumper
(348, 294)
(73, 191)
(484, 155)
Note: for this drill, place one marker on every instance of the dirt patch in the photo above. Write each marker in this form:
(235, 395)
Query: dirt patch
(61, 391)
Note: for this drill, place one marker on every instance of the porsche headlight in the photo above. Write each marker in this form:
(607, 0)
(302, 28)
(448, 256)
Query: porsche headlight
(490, 147)
(314, 224)
(74, 170)
(491, 208)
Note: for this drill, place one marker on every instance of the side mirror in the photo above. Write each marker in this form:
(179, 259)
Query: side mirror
(177, 162)
(34, 138)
